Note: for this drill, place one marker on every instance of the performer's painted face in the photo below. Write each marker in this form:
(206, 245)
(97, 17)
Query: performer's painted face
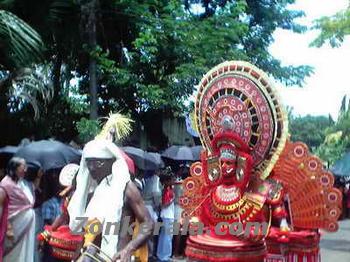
(233, 167)
(228, 167)
(234, 172)
(228, 157)
(99, 168)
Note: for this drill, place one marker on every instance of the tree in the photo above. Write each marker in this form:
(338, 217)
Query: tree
(151, 55)
(333, 29)
(21, 46)
(337, 140)
(309, 129)
(173, 46)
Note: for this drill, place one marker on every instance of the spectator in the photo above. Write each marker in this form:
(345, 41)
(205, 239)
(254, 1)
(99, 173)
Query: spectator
(178, 250)
(152, 194)
(21, 216)
(164, 248)
(51, 209)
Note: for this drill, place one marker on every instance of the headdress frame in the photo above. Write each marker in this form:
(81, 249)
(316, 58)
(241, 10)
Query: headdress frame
(245, 93)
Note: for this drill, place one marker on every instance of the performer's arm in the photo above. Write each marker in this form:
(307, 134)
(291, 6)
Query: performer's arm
(37, 180)
(135, 202)
(63, 218)
(59, 221)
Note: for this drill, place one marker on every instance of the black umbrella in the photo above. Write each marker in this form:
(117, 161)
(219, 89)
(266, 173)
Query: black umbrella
(179, 153)
(6, 153)
(196, 151)
(143, 159)
(49, 154)
(342, 166)
(158, 159)
(8, 150)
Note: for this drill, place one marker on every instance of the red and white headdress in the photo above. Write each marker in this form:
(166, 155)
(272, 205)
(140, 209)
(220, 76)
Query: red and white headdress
(236, 105)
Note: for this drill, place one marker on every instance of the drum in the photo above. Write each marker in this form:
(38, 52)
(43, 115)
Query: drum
(303, 246)
(209, 248)
(63, 244)
(95, 254)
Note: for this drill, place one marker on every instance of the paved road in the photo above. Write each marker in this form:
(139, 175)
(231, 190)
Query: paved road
(335, 247)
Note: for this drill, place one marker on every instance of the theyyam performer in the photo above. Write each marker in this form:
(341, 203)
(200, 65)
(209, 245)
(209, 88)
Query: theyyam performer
(115, 196)
(259, 196)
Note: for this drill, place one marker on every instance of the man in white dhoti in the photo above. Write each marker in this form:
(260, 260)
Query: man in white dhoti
(115, 197)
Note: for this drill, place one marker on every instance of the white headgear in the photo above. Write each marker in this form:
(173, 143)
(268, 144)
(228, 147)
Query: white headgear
(108, 197)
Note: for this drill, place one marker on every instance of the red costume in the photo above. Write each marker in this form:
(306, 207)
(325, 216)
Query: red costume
(244, 131)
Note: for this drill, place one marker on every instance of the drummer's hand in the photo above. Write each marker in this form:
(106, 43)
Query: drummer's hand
(124, 255)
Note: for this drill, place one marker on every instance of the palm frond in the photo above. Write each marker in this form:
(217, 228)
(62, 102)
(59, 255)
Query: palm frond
(22, 44)
(61, 9)
(32, 86)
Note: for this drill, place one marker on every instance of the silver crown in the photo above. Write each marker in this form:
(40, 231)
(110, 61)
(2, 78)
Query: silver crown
(227, 123)
(227, 153)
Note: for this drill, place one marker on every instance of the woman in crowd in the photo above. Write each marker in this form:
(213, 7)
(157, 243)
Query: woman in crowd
(21, 215)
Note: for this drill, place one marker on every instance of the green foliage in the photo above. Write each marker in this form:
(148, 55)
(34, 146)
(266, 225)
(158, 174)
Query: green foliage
(309, 129)
(87, 129)
(174, 46)
(78, 103)
(151, 54)
(337, 141)
(333, 29)
(332, 148)
(30, 86)
(20, 44)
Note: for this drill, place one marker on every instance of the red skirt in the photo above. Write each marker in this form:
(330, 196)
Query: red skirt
(302, 246)
(210, 248)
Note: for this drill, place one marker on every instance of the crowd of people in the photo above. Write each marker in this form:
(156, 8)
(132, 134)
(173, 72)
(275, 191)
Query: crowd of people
(345, 190)
(161, 192)
(27, 209)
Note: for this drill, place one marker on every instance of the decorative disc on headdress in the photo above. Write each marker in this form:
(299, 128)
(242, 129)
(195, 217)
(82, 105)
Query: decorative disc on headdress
(67, 174)
(238, 96)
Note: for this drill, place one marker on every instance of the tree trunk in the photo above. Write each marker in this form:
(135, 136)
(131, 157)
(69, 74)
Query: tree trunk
(93, 89)
(89, 12)
(56, 78)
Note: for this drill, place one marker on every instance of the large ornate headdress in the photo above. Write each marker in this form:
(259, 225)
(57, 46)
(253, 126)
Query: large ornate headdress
(239, 97)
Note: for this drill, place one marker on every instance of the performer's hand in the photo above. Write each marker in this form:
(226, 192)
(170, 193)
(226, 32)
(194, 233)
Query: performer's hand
(283, 235)
(253, 236)
(123, 256)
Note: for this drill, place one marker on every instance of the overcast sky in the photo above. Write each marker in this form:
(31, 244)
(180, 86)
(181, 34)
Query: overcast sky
(323, 91)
